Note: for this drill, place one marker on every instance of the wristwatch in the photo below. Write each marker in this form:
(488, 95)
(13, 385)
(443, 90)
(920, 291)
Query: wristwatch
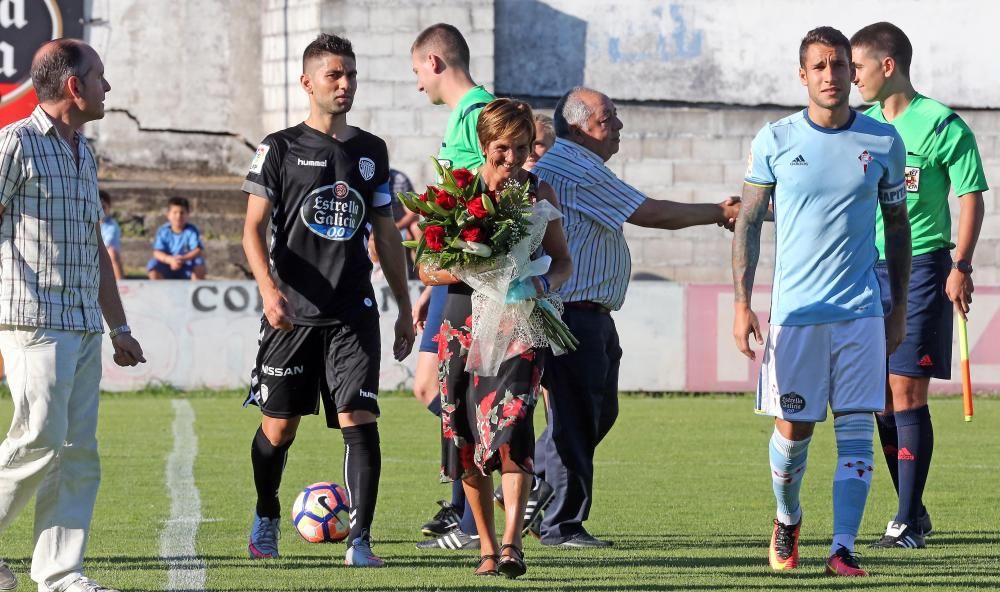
(119, 331)
(963, 266)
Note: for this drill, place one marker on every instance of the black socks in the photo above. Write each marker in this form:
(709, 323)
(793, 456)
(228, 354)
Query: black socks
(268, 464)
(362, 468)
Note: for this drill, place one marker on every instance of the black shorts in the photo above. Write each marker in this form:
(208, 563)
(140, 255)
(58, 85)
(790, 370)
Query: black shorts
(338, 364)
(926, 349)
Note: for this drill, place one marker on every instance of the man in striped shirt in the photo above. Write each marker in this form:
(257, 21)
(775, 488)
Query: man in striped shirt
(583, 385)
(56, 280)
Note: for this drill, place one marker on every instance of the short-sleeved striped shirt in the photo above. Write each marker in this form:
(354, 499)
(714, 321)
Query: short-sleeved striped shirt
(49, 267)
(595, 205)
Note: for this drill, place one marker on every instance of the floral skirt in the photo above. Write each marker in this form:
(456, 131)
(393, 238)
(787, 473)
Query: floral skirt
(484, 419)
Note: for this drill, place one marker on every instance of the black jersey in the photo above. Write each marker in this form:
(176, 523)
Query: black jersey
(322, 192)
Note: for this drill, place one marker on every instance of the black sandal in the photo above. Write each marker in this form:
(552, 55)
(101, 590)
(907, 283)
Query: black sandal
(511, 565)
(488, 572)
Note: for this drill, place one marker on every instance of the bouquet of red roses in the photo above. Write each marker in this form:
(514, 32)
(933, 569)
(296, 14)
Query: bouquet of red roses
(489, 239)
(464, 225)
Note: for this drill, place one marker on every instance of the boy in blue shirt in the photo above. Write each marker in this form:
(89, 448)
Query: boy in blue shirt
(177, 250)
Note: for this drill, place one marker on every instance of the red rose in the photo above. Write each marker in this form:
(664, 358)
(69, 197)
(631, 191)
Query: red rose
(444, 199)
(476, 207)
(474, 234)
(423, 196)
(434, 238)
(462, 177)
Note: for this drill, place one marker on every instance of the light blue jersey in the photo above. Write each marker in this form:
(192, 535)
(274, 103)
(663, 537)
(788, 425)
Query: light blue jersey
(827, 186)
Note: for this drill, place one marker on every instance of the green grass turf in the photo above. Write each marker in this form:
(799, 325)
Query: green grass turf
(682, 490)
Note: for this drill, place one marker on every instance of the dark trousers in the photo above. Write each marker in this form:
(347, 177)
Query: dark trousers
(583, 405)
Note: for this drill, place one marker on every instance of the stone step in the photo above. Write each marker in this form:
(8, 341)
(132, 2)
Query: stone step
(224, 258)
(218, 209)
(142, 196)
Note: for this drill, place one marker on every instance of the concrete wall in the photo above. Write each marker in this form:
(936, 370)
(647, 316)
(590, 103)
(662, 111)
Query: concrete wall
(185, 83)
(721, 51)
(690, 78)
(692, 154)
(388, 103)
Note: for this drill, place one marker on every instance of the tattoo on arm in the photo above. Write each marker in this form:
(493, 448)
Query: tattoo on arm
(746, 238)
(898, 251)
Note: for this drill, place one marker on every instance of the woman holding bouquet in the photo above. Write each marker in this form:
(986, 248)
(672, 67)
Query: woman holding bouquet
(487, 419)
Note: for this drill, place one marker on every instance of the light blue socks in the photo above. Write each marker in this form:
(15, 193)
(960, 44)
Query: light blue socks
(788, 465)
(853, 477)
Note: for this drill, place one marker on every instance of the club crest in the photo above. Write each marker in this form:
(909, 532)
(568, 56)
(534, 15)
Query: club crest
(865, 159)
(367, 168)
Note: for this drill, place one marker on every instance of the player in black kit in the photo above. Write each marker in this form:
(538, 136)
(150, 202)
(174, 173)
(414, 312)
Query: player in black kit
(323, 186)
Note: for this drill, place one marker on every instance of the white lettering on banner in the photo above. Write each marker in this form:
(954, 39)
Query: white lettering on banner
(714, 363)
(12, 14)
(7, 60)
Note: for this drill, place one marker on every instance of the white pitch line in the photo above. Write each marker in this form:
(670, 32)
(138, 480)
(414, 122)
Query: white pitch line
(186, 569)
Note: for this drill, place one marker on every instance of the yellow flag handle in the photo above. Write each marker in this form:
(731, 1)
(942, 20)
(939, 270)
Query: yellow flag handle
(963, 344)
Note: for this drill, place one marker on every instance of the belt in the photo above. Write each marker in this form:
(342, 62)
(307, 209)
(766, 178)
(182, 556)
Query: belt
(588, 306)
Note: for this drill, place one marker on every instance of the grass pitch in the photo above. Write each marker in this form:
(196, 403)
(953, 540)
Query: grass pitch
(682, 489)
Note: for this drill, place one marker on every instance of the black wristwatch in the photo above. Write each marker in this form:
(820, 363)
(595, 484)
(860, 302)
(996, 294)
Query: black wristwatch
(963, 266)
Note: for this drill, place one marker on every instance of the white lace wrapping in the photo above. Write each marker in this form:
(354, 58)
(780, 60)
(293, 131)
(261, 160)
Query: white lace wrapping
(501, 331)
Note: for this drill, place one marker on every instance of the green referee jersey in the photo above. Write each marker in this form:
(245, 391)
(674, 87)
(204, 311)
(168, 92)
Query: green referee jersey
(941, 154)
(460, 147)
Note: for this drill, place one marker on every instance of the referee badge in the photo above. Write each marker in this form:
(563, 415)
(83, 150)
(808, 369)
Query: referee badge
(367, 168)
(912, 176)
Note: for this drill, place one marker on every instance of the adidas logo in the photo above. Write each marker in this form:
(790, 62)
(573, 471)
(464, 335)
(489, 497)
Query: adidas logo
(925, 361)
(799, 161)
(905, 454)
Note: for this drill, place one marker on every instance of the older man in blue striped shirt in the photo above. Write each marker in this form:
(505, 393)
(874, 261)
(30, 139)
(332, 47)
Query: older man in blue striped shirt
(583, 385)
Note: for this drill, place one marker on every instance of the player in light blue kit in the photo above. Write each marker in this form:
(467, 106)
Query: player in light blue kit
(827, 169)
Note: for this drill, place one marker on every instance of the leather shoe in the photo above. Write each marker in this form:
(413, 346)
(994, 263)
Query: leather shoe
(584, 540)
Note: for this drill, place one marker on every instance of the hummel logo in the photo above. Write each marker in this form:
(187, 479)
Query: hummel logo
(313, 163)
(799, 161)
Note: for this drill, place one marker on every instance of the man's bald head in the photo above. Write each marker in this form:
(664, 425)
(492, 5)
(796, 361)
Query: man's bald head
(589, 118)
(55, 62)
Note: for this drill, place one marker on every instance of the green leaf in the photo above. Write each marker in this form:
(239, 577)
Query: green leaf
(438, 210)
(420, 249)
(500, 235)
(488, 204)
(411, 244)
(424, 207)
(438, 167)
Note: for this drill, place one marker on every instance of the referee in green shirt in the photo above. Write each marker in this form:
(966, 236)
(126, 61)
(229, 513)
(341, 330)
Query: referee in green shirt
(941, 154)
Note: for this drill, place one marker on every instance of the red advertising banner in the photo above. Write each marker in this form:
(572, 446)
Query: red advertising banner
(24, 26)
(715, 365)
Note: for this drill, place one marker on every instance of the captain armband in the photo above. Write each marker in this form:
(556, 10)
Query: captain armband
(893, 195)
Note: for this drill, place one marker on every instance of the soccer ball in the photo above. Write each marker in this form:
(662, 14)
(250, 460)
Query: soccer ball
(321, 513)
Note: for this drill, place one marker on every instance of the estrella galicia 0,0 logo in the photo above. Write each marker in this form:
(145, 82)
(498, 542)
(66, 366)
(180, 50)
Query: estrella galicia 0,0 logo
(334, 212)
(792, 402)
